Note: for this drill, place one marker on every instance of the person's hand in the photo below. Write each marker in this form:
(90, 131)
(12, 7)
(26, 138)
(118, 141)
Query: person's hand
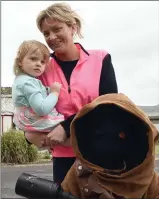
(56, 137)
(55, 88)
(67, 142)
(36, 138)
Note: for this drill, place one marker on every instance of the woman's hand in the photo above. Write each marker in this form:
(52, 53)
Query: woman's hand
(56, 137)
(67, 142)
(36, 138)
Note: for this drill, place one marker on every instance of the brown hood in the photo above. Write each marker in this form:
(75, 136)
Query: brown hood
(133, 183)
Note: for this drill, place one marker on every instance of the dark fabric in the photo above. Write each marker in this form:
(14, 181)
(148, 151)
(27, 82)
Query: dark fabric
(61, 167)
(116, 138)
(108, 82)
(66, 124)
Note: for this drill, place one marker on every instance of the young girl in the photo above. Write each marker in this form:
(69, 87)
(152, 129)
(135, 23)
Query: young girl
(34, 104)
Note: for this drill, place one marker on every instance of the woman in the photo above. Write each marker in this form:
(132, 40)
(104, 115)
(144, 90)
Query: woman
(84, 76)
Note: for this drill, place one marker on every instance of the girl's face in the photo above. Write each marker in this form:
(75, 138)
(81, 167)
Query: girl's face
(33, 63)
(58, 35)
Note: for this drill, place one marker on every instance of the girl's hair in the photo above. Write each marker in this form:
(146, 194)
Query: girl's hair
(61, 12)
(24, 48)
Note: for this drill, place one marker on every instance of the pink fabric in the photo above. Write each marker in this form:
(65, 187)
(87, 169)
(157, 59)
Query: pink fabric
(84, 84)
(27, 120)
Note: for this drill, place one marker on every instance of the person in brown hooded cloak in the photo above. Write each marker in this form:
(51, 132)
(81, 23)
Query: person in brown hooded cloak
(114, 142)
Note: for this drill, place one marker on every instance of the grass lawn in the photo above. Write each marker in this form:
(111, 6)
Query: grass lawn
(157, 149)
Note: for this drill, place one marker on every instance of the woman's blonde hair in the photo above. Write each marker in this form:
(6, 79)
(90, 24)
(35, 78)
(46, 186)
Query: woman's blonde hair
(24, 48)
(61, 12)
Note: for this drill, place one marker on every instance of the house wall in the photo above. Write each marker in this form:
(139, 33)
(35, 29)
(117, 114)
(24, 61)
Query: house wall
(7, 110)
(155, 121)
(6, 122)
(157, 125)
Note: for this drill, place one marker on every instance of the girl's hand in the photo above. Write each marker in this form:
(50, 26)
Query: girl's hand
(55, 88)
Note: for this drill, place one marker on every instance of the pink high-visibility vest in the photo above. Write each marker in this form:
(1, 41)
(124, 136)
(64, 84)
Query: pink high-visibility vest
(83, 88)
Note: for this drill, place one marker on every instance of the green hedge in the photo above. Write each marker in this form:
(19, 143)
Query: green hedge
(157, 149)
(15, 149)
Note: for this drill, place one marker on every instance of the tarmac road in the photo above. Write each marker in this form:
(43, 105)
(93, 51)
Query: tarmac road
(10, 174)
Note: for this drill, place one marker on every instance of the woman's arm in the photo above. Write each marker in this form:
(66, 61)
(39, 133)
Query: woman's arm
(66, 124)
(108, 82)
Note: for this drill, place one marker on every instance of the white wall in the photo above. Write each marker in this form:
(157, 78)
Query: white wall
(7, 123)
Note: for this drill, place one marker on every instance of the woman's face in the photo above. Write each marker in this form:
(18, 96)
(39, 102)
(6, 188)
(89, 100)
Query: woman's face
(58, 35)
